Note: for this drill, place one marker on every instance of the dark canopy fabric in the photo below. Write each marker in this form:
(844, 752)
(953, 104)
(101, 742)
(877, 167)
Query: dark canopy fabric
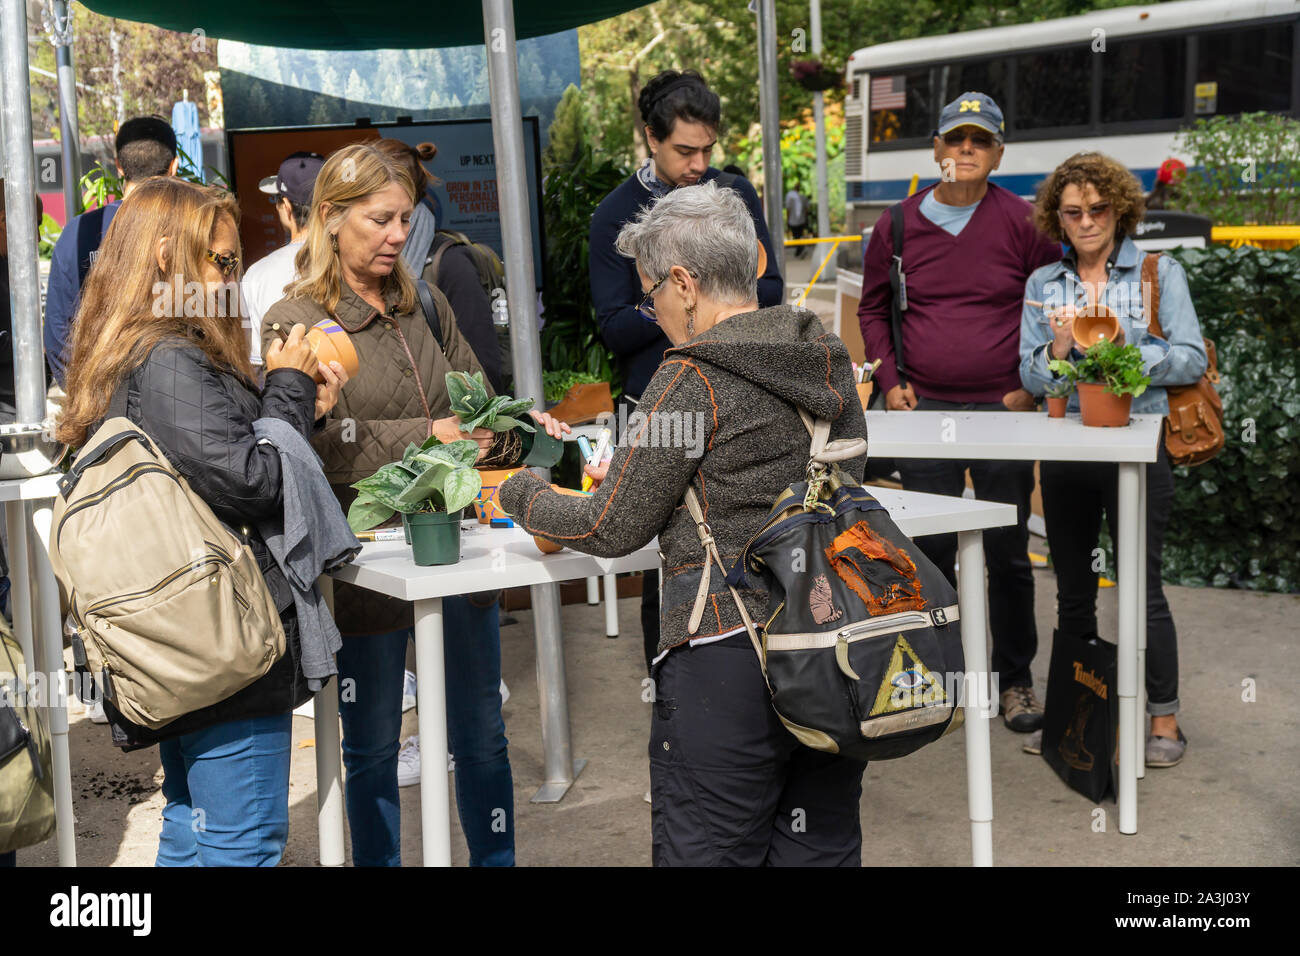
(349, 25)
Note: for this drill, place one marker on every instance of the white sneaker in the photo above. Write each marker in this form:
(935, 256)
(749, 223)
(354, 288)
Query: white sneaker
(408, 762)
(408, 692)
(505, 692)
(96, 712)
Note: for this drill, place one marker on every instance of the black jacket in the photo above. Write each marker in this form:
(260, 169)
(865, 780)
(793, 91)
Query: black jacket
(201, 417)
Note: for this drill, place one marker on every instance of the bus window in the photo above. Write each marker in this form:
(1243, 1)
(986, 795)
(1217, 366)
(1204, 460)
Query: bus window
(1144, 80)
(1248, 69)
(1053, 89)
(902, 106)
(982, 76)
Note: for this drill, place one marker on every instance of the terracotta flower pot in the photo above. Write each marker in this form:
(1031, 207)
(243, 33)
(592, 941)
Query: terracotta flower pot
(486, 502)
(1094, 324)
(1100, 408)
(550, 547)
(864, 393)
(1056, 406)
(331, 344)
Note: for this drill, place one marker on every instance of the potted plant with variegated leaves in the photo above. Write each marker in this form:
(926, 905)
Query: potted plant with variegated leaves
(429, 487)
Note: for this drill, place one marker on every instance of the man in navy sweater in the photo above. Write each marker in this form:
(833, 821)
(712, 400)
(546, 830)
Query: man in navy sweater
(968, 247)
(145, 147)
(681, 116)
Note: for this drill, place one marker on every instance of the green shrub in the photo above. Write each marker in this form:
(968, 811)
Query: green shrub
(1235, 521)
(1245, 169)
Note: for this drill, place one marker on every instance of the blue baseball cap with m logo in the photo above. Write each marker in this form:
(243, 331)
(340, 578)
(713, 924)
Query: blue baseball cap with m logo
(972, 109)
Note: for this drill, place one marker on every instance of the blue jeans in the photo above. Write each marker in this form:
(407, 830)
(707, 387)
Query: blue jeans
(371, 709)
(227, 791)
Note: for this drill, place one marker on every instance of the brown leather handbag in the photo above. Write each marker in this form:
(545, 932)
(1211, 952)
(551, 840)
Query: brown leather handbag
(1194, 425)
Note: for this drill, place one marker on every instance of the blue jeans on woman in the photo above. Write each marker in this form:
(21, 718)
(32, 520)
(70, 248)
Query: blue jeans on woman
(371, 671)
(227, 791)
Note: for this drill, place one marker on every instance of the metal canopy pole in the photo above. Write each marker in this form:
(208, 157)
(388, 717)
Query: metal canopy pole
(57, 20)
(769, 114)
(819, 116)
(20, 203)
(517, 242)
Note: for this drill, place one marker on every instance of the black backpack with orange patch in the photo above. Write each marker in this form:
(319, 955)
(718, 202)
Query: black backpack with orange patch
(861, 648)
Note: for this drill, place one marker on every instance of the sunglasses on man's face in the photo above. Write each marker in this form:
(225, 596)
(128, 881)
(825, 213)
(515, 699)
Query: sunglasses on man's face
(1098, 213)
(980, 140)
(224, 261)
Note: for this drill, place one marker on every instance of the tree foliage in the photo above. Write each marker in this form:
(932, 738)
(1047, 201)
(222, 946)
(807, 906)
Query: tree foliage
(1249, 169)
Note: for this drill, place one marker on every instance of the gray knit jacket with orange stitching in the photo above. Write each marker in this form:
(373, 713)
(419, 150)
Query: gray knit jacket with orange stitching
(720, 415)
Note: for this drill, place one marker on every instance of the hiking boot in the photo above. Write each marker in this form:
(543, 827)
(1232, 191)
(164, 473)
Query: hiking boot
(1021, 710)
(1163, 752)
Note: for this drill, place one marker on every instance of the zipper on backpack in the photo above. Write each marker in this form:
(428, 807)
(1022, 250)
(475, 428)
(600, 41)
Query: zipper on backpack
(122, 480)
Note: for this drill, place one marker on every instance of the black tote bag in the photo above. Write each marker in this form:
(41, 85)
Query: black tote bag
(1081, 716)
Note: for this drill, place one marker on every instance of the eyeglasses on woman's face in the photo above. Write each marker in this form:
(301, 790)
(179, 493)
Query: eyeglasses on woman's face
(225, 261)
(1098, 212)
(647, 306)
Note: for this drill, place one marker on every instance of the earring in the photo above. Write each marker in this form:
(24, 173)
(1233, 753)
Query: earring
(334, 241)
(690, 320)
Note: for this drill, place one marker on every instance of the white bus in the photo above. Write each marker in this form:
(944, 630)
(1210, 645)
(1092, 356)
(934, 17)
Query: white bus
(1122, 81)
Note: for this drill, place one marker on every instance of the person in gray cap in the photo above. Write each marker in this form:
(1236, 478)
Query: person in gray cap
(263, 284)
(964, 247)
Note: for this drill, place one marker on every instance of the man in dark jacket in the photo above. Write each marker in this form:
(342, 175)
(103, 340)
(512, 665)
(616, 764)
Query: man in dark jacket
(145, 147)
(968, 247)
(681, 116)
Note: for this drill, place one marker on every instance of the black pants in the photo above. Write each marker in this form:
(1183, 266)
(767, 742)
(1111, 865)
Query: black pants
(1075, 494)
(730, 785)
(1006, 550)
(796, 232)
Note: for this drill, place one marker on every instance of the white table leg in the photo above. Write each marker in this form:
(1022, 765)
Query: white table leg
(431, 696)
(50, 629)
(1140, 725)
(1130, 573)
(979, 765)
(552, 690)
(611, 605)
(329, 761)
(20, 581)
(593, 590)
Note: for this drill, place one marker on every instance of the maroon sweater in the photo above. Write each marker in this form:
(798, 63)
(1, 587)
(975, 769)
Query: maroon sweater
(965, 295)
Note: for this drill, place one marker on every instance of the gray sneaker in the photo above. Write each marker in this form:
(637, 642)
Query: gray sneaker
(1163, 752)
(1021, 710)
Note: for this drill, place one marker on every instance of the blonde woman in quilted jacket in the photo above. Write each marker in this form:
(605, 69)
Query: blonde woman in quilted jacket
(351, 271)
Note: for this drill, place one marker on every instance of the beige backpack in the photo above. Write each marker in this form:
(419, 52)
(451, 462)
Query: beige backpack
(168, 610)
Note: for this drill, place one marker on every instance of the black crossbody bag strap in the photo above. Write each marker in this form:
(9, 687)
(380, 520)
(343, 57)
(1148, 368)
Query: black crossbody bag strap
(430, 312)
(898, 288)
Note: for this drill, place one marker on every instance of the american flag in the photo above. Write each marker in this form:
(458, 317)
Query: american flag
(888, 92)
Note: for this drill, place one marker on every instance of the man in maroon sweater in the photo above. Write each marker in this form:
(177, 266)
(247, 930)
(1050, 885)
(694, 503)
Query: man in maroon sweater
(968, 247)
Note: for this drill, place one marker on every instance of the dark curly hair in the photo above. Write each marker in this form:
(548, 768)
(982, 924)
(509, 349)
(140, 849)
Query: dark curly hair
(1113, 182)
(671, 96)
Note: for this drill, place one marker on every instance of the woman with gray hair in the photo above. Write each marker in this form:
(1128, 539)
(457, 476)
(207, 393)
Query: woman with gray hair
(721, 416)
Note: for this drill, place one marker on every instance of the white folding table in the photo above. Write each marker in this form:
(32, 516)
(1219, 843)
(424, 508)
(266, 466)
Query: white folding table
(499, 558)
(38, 625)
(1033, 436)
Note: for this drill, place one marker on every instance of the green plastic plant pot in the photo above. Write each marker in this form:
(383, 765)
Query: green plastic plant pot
(434, 536)
(541, 450)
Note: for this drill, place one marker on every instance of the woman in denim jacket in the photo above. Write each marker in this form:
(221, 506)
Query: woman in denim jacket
(1093, 204)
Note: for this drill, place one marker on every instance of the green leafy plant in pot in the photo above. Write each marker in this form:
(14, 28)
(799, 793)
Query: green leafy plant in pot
(471, 403)
(1058, 398)
(1108, 377)
(429, 487)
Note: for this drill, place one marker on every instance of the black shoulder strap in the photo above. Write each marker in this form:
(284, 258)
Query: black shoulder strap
(431, 312)
(898, 286)
(725, 180)
(117, 404)
(90, 232)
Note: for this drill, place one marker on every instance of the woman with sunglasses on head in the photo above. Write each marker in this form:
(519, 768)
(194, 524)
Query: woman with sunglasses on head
(1093, 204)
(189, 386)
(350, 270)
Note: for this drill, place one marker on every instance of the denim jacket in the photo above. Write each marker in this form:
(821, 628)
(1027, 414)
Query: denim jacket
(1177, 359)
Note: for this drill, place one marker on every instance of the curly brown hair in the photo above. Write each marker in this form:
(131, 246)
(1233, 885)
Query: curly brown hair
(1113, 182)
